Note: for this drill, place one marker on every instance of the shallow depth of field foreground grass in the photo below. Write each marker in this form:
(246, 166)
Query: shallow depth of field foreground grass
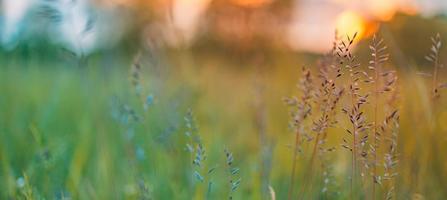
(223, 99)
(210, 128)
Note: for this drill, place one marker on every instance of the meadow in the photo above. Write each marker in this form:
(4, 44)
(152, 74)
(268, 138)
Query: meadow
(199, 126)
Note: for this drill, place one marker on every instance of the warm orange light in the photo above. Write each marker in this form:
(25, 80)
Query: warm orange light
(251, 3)
(383, 9)
(348, 23)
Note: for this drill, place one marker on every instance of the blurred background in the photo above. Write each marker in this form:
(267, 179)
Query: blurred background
(67, 72)
(238, 26)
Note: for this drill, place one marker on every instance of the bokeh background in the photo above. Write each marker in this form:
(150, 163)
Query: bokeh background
(72, 125)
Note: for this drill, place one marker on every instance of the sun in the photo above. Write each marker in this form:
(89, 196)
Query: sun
(349, 22)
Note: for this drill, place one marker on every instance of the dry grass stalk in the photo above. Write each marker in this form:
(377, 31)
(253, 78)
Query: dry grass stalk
(323, 98)
(356, 134)
(391, 155)
(300, 111)
(327, 96)
(383, 83)
(330, 71)
(433, 57)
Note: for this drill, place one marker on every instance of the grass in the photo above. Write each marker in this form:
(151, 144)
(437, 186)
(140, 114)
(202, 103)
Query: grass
(125, 132)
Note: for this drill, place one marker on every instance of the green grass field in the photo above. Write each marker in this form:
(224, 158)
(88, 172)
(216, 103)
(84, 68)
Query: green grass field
(85, 133)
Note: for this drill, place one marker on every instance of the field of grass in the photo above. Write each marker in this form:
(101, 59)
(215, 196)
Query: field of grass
(204, 127)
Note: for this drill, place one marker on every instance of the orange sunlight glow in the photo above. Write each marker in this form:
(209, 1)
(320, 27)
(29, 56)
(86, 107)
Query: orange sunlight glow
(349, 22)
(382, 9)
(251, 3)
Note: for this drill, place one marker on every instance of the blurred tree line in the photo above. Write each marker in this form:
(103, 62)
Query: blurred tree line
(236, 28)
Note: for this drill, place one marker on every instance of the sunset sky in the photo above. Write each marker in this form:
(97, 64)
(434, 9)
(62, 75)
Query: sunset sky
(313, 21)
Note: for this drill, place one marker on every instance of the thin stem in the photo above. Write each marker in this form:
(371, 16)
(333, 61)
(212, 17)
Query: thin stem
(310, 167)
(312, 160)
(376, 98)
(354, 155)
(435, 76)
(314, 150)
(208, 192)
(292, 178)
(354, 143)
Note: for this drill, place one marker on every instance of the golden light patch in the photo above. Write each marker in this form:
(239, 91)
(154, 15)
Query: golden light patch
(383, 10)
(348, 23)
(251, 3)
